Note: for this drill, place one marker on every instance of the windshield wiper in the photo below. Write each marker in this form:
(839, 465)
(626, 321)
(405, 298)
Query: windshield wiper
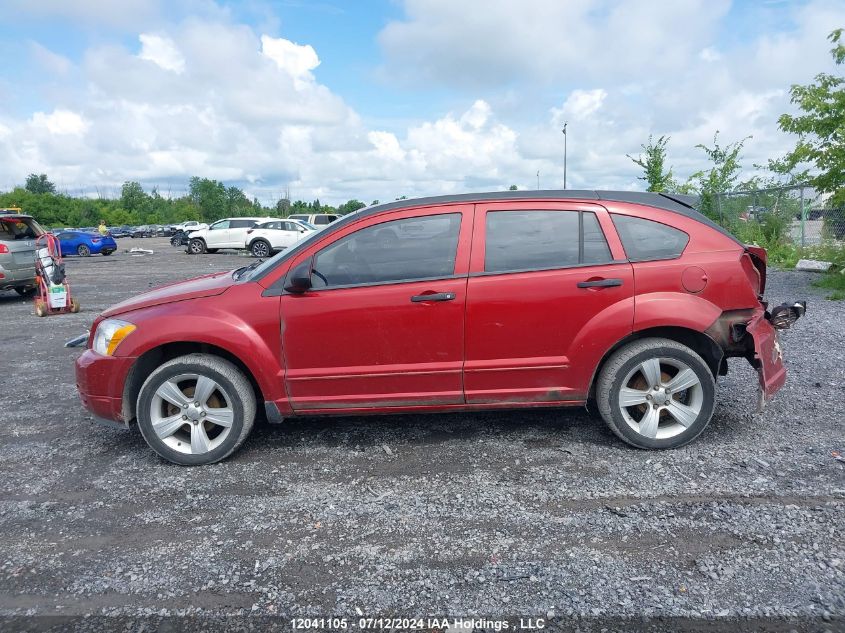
(237, 274)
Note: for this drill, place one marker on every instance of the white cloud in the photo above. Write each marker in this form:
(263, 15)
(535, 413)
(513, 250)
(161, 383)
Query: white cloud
(298, 61)
(581, 104)
(60, 122)
(162, 52)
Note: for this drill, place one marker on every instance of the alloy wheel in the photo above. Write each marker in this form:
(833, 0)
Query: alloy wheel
(191, 413)
(661, 397)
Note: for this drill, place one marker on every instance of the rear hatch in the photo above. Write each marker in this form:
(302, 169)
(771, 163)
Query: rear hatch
(17, 241)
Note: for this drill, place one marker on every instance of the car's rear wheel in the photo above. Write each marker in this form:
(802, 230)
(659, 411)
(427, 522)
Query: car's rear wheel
(107, 253)
(196, 247)
(656, 393)
(260, 248)
(196, 409)
(83, 251)
(25, 291)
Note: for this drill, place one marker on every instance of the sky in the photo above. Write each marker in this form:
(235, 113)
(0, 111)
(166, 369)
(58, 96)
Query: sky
(375, 99)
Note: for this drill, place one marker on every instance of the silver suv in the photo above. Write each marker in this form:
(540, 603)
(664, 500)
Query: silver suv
(17, 251)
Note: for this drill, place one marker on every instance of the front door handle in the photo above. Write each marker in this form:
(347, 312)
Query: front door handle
(436, 296)
(600, 283)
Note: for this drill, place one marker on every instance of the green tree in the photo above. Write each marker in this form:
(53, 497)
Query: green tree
(719, 178)
(283, 207)
(654, 165)
(133, 198)
(513, 188)
(820, 129)
(350, 206)
(374, 203)
(210, 197)
(39, 183)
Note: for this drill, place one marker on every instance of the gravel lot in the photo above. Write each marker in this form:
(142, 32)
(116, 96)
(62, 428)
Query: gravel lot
(531, 513)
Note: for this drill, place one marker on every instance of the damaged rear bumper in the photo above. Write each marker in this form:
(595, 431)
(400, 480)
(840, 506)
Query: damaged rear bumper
(767, 355)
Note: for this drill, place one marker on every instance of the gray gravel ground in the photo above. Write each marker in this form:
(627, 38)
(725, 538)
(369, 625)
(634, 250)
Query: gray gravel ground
(531, 513)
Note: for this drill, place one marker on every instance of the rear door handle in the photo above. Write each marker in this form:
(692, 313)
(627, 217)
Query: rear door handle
(600, 283)
(437, 296)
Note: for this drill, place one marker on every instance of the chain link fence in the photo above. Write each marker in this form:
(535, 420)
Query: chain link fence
(799, 215)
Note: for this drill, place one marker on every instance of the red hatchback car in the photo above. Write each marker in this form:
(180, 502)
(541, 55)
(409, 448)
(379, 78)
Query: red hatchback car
(631, 302)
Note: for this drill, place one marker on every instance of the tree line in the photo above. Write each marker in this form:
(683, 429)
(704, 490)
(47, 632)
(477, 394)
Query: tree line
(207, 200)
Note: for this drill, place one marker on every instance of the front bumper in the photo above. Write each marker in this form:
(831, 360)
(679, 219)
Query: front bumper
(99, 381)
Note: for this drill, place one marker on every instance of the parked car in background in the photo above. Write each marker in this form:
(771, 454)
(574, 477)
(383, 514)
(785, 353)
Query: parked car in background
(18, 232)
(162, 230)
(267, 238)
(142, 231)
(225, 233)
(85, 244)
(121, 231)
(630, 301)
(317, 219)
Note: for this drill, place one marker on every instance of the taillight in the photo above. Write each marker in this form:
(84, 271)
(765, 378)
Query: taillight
(4, 248)
(95, 239)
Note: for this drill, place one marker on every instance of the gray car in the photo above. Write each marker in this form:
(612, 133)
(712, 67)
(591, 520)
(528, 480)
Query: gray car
(17, 251)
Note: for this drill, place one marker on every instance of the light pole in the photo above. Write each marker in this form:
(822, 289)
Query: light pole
(538, 180)
(565, 123)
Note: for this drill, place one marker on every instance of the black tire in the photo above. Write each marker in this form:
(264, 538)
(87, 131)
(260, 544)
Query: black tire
(615, 371)
(236, 385)
(26, 291)
(175, 241)
(196, 246)
(260, 248)
(83, 251)
(107, 253)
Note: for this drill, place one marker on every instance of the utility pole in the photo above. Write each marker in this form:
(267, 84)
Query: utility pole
(565, 123)
(538, 180)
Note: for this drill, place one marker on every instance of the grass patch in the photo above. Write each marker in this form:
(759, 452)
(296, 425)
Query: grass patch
(835, 282)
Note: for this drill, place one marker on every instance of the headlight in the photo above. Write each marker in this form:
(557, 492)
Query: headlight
(109, 335)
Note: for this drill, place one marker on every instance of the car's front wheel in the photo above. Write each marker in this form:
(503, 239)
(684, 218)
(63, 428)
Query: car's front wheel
(196, 409)
(656, 393)
(196, 247)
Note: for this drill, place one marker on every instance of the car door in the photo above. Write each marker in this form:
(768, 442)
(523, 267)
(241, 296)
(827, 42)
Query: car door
(548, 293)
(383, 323)
(68, 243)
(217, 235)
(237, 232)
(289, 233)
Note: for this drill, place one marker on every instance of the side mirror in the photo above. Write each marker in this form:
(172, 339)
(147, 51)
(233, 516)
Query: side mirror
(299, 279)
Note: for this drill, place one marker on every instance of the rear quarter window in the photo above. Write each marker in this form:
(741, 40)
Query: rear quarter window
(12, 229)
(645, 240)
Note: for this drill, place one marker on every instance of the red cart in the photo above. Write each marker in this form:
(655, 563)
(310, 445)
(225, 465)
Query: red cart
(53, 289)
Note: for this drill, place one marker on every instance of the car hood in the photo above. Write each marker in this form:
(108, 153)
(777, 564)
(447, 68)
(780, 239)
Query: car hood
(205, 286)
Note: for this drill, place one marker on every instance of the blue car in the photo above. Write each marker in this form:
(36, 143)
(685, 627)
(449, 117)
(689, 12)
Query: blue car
(85, 244)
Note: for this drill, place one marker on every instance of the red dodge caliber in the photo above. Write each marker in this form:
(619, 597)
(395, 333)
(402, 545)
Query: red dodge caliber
(628, 302)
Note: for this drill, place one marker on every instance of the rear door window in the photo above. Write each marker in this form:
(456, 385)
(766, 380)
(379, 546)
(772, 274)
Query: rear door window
(399, 250)
(542, 240)
(645, 240)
